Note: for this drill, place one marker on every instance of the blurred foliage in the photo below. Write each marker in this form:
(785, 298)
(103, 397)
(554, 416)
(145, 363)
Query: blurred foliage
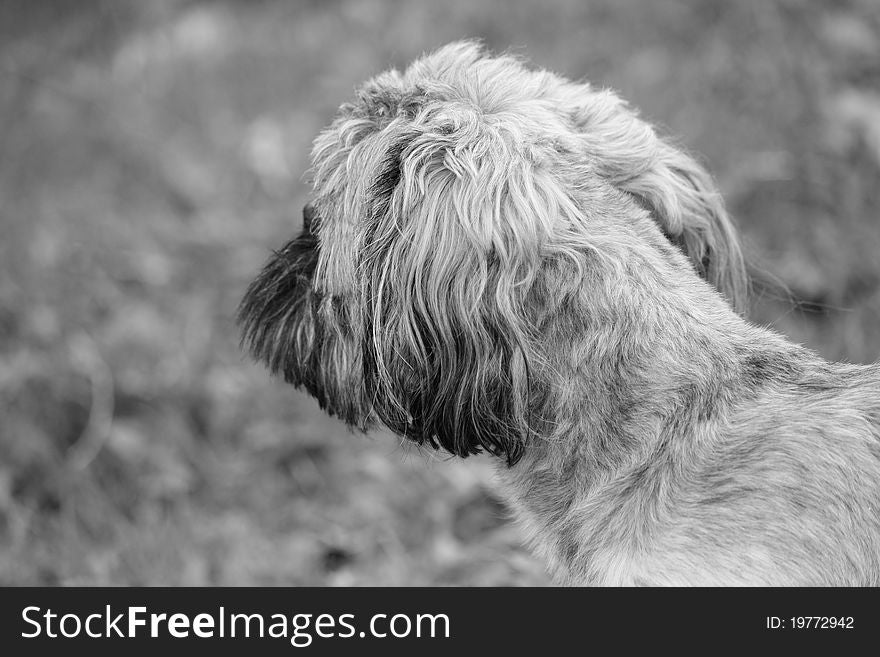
(152, 152)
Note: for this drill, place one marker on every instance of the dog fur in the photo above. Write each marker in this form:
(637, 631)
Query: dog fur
(497, 259)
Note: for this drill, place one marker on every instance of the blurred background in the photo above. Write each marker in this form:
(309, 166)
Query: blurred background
(152, 152)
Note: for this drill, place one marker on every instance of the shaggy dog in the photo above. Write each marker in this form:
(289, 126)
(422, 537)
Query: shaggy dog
(497, 259)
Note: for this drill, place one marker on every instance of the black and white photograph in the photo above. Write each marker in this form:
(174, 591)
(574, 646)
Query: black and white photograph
(385, 293)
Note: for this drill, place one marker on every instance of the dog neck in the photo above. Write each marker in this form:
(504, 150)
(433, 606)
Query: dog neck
(637, 376)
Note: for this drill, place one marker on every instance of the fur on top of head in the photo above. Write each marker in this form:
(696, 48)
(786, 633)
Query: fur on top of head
(458, 205)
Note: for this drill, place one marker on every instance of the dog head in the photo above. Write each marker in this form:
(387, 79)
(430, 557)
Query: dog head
(458, 208)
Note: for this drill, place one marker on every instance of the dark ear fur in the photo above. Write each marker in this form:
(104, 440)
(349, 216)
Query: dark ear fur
(443, 352)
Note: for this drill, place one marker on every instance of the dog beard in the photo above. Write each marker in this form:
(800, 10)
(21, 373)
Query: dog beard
(299, 333)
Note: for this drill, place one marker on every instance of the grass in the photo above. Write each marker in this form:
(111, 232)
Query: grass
(152, 153)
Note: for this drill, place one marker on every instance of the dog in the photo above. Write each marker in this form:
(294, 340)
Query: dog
(497, 259)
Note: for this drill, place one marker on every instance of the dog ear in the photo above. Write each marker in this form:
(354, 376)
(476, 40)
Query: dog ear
(446, 261)
(689, 209)
(677, 191)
